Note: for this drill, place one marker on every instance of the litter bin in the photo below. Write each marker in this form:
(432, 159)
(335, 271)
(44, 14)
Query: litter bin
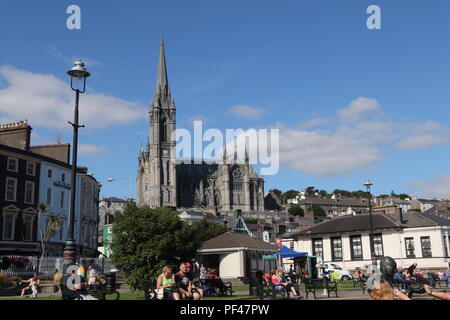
(254, 288)
(110, 285)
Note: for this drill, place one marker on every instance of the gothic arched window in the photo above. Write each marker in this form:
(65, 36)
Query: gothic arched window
(163, 129)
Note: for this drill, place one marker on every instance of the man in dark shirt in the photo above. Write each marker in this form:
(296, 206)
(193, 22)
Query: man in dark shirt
(184, 283)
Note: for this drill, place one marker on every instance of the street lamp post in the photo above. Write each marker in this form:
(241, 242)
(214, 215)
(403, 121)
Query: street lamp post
(368, 184)
(129, 180)
(78, 74)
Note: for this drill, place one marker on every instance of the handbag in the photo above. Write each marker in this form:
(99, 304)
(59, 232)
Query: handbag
(160, 294)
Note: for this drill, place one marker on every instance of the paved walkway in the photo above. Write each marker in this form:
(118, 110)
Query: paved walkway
(342, 295)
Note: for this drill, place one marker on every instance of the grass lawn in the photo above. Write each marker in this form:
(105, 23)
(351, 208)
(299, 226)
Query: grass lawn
(139, 295)
(342, 285)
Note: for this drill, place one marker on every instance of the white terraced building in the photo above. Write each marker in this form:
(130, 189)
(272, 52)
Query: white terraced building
(408, 238)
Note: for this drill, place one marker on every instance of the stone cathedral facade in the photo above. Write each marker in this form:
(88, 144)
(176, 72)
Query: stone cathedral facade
(213, 187)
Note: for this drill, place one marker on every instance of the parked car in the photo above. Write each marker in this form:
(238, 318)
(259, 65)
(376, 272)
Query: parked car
(343, 274)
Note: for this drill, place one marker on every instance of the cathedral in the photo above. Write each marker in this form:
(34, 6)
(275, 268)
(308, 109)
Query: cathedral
(163, 182)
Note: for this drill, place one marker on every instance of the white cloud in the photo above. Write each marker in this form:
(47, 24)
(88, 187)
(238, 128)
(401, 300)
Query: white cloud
(315, 122)
(91, 149)
(248, 112)
(324, 153)
(358, 110)
(427, 135)
(357, 142)
(438, 187)
(47, 101)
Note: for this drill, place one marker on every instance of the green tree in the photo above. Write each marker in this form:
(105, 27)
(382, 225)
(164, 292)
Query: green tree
(343, 193)
(288, 195)
(205, 229)
(324, 194)
(318, 211)
(359, 194)
(311, 191)
(145, 240)
(296, 211)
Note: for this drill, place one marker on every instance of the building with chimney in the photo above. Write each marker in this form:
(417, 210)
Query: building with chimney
(32, 175)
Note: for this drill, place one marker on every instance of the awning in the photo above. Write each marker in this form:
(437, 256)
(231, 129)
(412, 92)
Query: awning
(285, 252)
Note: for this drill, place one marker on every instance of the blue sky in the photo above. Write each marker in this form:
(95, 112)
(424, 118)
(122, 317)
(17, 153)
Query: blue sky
(351, 103)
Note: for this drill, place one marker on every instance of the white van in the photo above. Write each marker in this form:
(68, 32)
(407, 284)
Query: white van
(344, 274)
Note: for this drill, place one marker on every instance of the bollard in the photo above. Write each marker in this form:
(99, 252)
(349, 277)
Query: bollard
(253, 287)
(110, 285)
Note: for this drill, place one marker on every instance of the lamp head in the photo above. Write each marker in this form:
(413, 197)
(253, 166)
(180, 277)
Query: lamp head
(78, 70)
(368, 183)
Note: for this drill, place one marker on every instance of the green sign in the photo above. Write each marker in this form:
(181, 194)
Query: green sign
(107, 239)
(269, 257)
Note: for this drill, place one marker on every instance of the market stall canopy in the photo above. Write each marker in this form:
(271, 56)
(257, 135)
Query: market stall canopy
(285, 252)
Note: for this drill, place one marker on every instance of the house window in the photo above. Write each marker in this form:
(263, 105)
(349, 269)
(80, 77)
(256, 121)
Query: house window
(317, 247)
(378, 245)
(31, 168)
(8, 226)
(336, 248)
(29, 192)
(13, 165)
(49, 173)
(49, 196)
(356, 247)
(237, 186)
(61, 230)
(426, 247)
(28, 226)
(61, 203)
(11, 189)
(409, 246)
(445, 247)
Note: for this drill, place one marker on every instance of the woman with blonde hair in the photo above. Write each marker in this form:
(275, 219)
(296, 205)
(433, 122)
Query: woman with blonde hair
(166, 282)
(384, 291)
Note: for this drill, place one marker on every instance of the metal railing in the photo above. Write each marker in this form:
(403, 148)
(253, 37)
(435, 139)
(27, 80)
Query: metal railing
(26, 266)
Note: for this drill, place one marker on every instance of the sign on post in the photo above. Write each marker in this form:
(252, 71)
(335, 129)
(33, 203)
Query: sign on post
(107, 239)
(278, 242)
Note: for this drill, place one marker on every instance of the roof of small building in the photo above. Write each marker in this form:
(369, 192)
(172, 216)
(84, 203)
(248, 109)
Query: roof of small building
(233, 240)
(348, 224)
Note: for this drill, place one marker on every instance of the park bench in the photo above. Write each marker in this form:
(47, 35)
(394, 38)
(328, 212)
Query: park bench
(441, 283)
(320, 284)
(67, 294)
(100, 292)
(359, 283)
(215, 287)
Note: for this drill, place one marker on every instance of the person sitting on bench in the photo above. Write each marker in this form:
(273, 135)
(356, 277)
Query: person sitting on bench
(166, 282)
(281, 283)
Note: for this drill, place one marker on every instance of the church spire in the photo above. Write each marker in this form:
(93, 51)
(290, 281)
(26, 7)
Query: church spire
(162, 83)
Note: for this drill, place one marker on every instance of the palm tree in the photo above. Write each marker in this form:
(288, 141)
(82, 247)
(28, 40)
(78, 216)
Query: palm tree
(51, 228)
